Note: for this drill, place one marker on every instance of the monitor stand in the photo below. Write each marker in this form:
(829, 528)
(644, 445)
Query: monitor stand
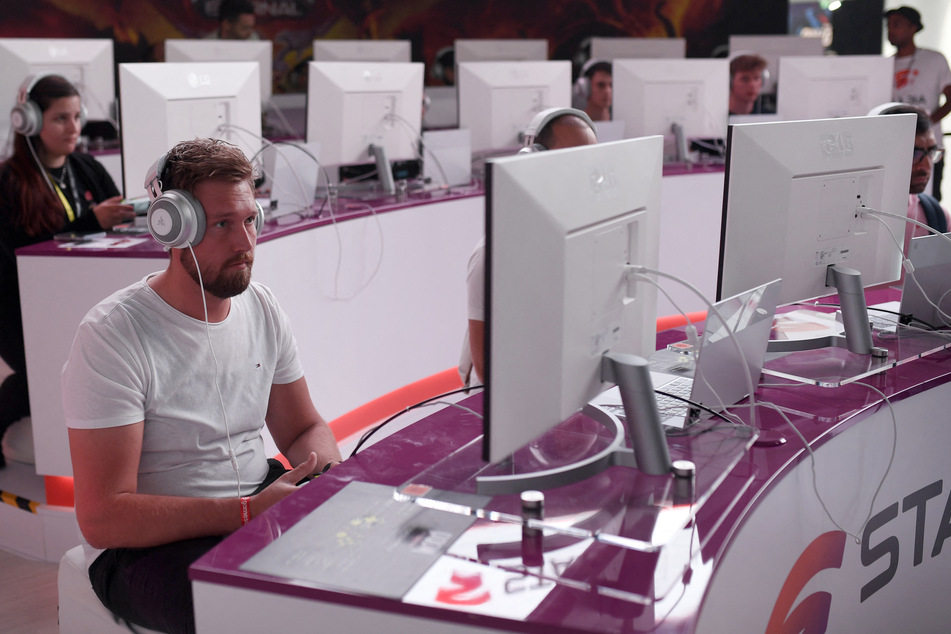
(858, 333)
(383, 170)
(650, 453)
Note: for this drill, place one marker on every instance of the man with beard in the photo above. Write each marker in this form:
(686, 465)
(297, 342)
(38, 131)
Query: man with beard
(921, 206)
(167, 387)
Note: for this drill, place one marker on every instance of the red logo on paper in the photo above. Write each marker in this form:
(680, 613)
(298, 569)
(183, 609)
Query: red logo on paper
(811, 616)
(465, 590)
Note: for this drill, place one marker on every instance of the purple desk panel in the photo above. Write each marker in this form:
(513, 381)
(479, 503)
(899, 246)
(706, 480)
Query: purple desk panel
(601, 588)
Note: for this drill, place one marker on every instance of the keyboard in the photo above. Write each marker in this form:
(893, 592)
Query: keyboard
(673, 408)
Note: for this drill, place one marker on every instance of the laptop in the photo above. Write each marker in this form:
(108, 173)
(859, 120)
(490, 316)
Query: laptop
(931, 257)
(713, 375)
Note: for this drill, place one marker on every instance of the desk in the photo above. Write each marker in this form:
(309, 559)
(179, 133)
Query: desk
(393, 314)
(761, 552)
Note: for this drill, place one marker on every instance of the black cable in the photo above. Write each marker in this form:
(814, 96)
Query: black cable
(688, 429)
(367, 434)
(904, 319)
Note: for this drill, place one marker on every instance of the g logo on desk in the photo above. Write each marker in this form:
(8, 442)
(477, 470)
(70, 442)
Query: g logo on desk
(812, 613)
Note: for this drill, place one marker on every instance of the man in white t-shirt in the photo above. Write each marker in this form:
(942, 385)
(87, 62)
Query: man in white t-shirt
(922, 76)
(167, 388)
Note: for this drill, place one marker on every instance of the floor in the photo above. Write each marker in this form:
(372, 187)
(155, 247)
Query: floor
(28, 596)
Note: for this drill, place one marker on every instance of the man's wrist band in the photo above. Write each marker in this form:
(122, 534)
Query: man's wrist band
(245, 510)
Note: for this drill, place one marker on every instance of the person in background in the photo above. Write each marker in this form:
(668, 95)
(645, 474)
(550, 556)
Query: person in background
(922, 207)
(236, 21)
(599, 88)
(922, 77)
(567, 128)
(46, 187)
(167, 388)
(746, 83)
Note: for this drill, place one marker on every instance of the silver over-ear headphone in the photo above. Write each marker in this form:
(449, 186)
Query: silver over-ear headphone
(582, 87)
(176, 219)
(26, 117)
(542, 119)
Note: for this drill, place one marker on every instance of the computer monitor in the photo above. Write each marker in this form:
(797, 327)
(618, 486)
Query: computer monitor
(353, 105)
(829, 86)
(678, 98)
(771, 48)
(87, 63)
(638, 47)
(164, 103)
(260, 51)
(501, 50)
(791, 210)
(561, 229)
(498, 99)
(362, 51)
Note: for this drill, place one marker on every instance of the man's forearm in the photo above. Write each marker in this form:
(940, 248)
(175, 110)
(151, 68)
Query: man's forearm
(318, 439)
(136, 520)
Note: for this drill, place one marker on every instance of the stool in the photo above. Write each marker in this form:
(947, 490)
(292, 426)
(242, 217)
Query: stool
(80, 610)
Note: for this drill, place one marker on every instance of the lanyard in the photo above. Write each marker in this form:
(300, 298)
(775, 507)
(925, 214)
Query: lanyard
(69, 209)
(68, 176)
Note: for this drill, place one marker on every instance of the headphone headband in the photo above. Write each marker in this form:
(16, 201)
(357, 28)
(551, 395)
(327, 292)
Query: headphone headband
(543, 118)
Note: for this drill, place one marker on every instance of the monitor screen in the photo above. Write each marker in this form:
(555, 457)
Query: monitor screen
(790, 199)
(498, 99)
(352, 105)
(771, 48)
(561, 228)
(164, 103)
(651, 96)
(87, 63)
(827, 86)
(362, 51)
(260, 51)
(505, 50)
(638, 47)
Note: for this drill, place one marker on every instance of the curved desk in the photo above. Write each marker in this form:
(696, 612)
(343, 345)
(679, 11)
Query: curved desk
(376, 301)
(764, 551)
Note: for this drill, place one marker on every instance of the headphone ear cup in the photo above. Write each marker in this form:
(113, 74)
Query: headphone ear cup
(176, 219)
(259, 219)
(83, 116)
(26, 118)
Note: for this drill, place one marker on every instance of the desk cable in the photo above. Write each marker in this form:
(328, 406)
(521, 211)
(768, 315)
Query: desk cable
(417, 142)
(812, 456)
(641, 274)
(434, 400)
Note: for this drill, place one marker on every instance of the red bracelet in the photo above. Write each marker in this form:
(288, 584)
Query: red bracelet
(245, 510)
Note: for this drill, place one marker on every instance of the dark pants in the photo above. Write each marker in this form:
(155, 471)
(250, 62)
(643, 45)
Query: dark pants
(14, 396)
(149, 587)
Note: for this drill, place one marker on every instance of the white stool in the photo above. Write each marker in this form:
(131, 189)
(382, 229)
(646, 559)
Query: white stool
(17, 443)
(80, 610)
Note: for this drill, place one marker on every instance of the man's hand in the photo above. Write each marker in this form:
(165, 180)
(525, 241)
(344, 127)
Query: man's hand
(283, 486)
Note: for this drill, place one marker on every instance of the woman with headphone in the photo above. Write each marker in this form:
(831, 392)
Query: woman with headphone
(46, 187)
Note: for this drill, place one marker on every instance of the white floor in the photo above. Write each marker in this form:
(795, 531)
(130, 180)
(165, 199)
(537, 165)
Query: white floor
(28, 596)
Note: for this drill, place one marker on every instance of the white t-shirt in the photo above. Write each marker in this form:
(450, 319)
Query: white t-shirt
(920, 80)
(475, 287)
(136, 358)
